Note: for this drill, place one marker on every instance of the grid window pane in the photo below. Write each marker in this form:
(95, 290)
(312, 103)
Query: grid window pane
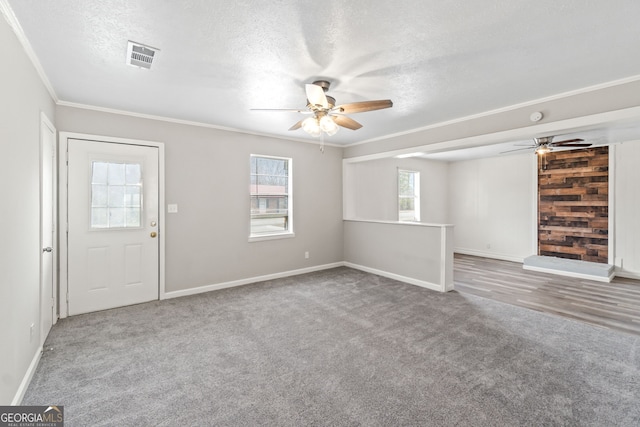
(98, 195)
(99, 218)
(99, 173)
(133, 174)
(116, 218)
(116, 174)
(132, 217)
(116, 195)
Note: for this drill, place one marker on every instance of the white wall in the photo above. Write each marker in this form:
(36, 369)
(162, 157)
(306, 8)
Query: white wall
(371, 189)
(420, 254)
(207, 176)
(23, 97)
(492, 205)
(627, 208)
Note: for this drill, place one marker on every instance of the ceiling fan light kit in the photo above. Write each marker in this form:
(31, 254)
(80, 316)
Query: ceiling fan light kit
(327, 117)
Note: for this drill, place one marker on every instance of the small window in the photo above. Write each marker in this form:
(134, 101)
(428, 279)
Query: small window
(116, 195)
(408, 195)
(270, 192)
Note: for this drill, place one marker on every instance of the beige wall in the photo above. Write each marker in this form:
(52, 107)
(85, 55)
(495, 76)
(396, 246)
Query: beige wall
(22, 98)
(207, 176)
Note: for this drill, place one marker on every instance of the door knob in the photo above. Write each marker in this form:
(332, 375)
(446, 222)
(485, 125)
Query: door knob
(47, 249)
(154, 234)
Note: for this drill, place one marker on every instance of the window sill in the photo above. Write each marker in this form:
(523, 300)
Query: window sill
(286, 235)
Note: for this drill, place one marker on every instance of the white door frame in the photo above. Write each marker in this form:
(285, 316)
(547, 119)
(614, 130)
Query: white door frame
(46, 123)
(63, 224)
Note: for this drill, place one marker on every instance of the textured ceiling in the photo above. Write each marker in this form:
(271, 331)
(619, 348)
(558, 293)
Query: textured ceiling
(437, 60)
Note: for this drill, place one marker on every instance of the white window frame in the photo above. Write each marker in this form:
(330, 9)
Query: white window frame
(288, 233)
(415, 197)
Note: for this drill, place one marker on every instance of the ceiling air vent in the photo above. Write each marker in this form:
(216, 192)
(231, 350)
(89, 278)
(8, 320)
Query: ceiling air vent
(139, 55)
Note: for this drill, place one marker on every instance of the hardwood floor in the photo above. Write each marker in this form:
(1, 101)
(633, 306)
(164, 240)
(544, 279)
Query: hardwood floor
(614, 305)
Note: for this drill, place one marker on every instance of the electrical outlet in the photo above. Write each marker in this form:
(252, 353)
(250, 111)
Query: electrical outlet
(31, 331)
(488, 245)
(306, 255)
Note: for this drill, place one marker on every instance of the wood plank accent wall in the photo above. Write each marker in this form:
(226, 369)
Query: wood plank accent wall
(573, 204)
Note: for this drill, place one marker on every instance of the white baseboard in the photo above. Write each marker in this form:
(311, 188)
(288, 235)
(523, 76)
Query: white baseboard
(234, 283)
(410, 280)
(627, 274)
(492, 255)
(17, 399)
(571, 274)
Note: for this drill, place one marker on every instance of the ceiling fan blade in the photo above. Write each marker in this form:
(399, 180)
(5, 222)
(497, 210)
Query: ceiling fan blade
(289, 110)
(297, 125)
(518, 149)
(316, 96)
(361, 107)
(568, 141)
(346, 122)
(571, 145)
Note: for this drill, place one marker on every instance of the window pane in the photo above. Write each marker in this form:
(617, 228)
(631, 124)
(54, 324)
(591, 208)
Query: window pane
(132, 217)
(408, 195)
(406, 183)
(269, 194)
(268, 224)
(407, 204)
(116, 174)
(99, 173)
(116, 217)
(116, 195)
(99, 218)
(267, 166)
(98, 195)
(132, 196)
(133, 174)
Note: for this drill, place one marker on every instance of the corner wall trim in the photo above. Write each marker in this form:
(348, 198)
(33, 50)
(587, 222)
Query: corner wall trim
(409, 280)
(248, 281)
(26, 380)
(627, 274)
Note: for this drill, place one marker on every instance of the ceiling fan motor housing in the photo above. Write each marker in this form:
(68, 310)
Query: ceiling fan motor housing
(323, 84)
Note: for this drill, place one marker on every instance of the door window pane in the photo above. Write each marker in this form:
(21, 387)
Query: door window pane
(116, 195)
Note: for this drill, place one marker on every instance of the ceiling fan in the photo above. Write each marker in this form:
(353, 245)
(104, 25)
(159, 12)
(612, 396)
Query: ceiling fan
(326, 116)
(545, 144)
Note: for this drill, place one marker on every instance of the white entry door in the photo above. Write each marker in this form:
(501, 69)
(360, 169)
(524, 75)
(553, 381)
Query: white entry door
(48, 314)
(113, 256)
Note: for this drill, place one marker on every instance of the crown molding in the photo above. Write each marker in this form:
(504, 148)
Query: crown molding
(187, 122)
(11, 19)
(555, 97)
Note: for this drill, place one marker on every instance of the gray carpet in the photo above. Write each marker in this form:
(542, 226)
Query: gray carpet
(341, 348)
